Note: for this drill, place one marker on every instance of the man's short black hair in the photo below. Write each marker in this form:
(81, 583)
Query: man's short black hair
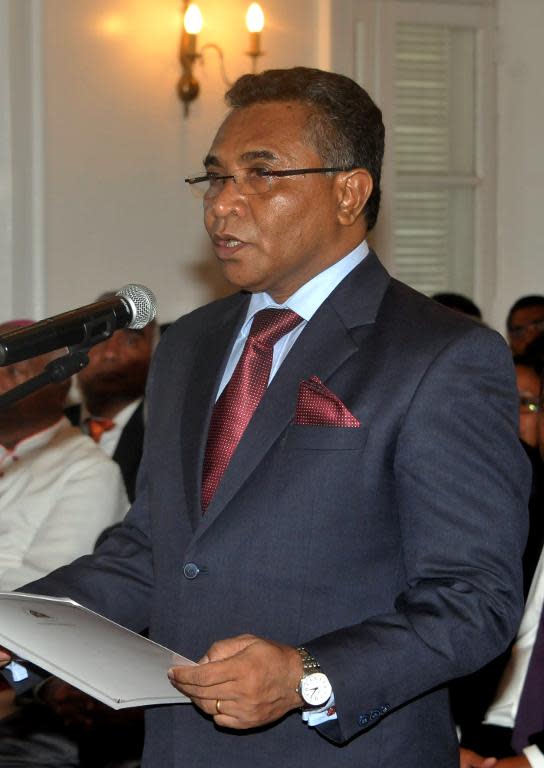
(345, 125)
(525, 301)
(459, 303)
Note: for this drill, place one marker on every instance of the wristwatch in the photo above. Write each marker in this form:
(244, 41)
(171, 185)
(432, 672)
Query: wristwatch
(314, 686)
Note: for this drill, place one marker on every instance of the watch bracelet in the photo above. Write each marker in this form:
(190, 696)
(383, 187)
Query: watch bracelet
(309, 663)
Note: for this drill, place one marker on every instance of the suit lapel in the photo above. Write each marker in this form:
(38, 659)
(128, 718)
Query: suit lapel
(328, 340)
(211, 357)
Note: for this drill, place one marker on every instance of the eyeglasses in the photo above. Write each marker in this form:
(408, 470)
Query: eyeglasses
(517, 331)
(249, 181)
(528, 404)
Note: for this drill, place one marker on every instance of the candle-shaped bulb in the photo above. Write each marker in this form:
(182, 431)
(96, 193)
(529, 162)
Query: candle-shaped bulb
(192, 19)
(255, 24)
(255, 18)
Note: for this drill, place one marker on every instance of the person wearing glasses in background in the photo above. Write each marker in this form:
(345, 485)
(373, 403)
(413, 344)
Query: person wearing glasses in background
(528, 375)
(319, 518)
(525, 322)
(485, 704)
(528, 384)
(540, 418)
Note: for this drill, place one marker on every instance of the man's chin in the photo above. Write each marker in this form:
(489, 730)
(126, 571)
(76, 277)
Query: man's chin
(238, 277)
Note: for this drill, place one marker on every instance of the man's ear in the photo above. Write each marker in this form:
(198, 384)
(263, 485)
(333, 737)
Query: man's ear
(353, 189)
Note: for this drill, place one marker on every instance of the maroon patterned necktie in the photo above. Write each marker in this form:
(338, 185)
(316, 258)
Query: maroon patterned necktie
(242, 394)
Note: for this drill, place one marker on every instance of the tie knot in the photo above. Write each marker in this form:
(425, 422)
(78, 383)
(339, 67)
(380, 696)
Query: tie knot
(269, 325)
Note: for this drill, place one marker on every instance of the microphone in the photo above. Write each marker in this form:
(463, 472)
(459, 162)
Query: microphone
(133, 306)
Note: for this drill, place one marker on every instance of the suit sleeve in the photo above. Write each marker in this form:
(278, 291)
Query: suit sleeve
(462, 484)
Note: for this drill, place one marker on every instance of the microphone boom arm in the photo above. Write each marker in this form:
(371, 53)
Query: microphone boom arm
(97, 329)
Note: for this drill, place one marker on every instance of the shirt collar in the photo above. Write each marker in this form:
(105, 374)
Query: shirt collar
(310, 296)
(121, 419)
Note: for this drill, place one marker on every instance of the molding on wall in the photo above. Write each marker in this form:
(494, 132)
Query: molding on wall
(38, 159)
(6, 187)
(22, 266)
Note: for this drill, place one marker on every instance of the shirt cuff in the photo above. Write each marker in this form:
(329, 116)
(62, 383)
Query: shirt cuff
(17, 671)
(322, 715)
(534, 756)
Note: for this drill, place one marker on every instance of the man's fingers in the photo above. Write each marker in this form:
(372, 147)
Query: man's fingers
(225, 649)
(198, 677)
(207, 674)
(470, 759)
(5, 657)
(226, 713)
(205, 693)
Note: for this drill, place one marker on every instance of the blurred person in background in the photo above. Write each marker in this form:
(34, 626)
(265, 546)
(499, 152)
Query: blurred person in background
(112, 388)
(525, 322)
(540, 418)
(488, 705)
(458, 303)
(528, 384)
(510, 732)
(57, 490)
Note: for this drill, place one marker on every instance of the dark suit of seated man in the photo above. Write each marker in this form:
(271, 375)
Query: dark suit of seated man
(331, 484)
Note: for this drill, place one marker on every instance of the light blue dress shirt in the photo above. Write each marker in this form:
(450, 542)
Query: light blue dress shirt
(305, 302)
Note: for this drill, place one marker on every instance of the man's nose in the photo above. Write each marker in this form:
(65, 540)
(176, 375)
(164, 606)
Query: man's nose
(108, 349)
(227, 200)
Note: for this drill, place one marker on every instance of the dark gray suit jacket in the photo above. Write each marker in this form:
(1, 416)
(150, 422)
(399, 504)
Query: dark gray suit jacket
(392, 551)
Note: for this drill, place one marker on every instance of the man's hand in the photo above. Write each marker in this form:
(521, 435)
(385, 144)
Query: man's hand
(520, 761)
(243, 682)
(470, 759)
(5, 657)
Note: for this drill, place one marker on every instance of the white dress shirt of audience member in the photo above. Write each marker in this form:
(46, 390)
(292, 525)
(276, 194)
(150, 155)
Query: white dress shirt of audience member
(58, 491)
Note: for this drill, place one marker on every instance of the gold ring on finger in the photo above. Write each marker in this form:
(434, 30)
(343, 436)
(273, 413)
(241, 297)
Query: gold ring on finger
(218, 706)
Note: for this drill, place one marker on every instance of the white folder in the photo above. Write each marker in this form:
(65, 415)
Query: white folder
(114, 665)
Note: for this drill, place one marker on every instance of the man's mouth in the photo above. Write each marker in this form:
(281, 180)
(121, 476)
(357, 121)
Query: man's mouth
(227, 241)
(225, 245)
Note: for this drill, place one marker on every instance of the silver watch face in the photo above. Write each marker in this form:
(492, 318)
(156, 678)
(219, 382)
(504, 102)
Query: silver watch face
(315, 689)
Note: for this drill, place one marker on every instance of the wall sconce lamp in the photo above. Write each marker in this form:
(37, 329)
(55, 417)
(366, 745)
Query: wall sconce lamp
(254, 24)
(188, 87)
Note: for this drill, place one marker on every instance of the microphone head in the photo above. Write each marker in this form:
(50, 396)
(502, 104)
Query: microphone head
(141, 301)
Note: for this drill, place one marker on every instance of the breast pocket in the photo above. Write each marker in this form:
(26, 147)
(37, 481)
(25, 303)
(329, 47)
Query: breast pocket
(303, 437)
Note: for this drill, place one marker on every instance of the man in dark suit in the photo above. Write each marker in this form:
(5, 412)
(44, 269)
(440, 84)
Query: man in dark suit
(113, 386)
(349, 538)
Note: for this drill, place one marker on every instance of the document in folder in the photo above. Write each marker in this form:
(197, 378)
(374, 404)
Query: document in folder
(114, 665)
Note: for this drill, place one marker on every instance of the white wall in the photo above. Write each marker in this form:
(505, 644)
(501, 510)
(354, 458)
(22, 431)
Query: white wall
(113, 146)
(520, 202)
(117, 146)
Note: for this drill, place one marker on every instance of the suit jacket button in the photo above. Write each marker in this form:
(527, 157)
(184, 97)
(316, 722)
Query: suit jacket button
(191, 570)
(364, 719)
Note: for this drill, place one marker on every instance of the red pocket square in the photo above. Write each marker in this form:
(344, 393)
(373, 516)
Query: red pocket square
(317, 406)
